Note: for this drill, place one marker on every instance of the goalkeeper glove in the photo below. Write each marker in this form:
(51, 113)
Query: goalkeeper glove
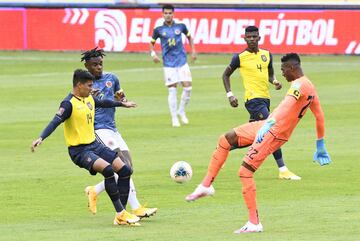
(321, 155)
(264, 129)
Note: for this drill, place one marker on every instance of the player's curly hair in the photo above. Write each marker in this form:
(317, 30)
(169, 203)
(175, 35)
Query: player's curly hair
(92, 53)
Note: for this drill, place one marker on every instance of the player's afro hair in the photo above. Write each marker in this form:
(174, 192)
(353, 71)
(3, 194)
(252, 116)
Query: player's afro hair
(92, 53)
(291, 56)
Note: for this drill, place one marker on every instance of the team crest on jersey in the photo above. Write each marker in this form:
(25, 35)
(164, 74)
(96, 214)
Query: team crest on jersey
(89, 105)
(108, 84)
(263, 57)
(177, 31)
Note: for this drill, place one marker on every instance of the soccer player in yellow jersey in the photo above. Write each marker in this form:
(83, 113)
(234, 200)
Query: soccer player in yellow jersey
(77, 111)
(256, 70)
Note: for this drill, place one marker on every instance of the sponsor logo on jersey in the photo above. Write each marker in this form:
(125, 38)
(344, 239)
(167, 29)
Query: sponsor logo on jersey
(60, 111)
(163, 34)
(263, 57)
(108, 84)
(88, 159)
(89, 105)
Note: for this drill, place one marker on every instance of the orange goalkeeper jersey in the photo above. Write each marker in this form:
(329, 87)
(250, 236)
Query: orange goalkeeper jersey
(301, 96)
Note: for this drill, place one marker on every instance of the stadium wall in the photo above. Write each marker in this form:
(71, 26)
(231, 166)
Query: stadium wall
(215, 30)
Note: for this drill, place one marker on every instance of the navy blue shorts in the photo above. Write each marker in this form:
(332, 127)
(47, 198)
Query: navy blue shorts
(85, 155)
(258, 108)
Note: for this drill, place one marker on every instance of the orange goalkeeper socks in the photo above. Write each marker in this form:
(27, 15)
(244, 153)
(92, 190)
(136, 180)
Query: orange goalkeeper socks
(217, 161)
(249, 193)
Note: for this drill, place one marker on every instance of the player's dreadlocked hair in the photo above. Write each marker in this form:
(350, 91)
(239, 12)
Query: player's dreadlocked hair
(93, 53)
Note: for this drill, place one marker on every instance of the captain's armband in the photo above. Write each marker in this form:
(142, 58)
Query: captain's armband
(294, 90)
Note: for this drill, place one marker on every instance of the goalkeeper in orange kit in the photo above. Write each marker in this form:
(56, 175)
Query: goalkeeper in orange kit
(265, 137)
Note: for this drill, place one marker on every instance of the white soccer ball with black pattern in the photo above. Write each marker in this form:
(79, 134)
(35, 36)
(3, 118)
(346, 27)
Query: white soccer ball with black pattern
(181, 172)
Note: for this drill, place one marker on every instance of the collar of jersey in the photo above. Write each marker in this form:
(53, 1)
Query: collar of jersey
(173, 23)
(78, 98)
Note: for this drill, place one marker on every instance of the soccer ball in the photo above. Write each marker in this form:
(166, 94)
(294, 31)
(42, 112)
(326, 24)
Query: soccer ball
(181, 172)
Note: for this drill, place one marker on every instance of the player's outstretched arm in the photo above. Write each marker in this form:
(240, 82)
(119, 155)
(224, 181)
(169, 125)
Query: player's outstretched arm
(105, 103)
(129, 104)
(36, 143)
(60, 117)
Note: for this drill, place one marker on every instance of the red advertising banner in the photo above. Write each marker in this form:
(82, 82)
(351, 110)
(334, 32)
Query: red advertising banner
(214, 31)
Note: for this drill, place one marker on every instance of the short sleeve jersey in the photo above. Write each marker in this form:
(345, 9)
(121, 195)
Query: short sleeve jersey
(173, 52)
(254, 70)
(108, 85)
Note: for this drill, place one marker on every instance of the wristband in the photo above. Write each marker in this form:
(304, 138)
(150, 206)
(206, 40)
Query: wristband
(153, 53)
(229, 94)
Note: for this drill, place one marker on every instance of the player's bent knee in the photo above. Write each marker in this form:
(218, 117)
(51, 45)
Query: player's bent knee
(246, 171)
(108, 171)
(224, 143)
(124, 172)
(231, 138)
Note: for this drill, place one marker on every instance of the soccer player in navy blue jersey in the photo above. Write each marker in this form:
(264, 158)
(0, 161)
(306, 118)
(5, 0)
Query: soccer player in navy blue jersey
(176, 69)
(77, 111)
(107, 86)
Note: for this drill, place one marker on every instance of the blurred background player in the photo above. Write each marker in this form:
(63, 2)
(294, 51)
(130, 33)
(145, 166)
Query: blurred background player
(77, 113)
(256, 69)
(176, 69)
(266, 136)
(107, 86)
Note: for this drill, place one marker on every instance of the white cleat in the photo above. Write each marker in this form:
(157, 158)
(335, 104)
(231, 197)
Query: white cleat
(183, 118)
(200, 192)
(250, 228)
(175, 122)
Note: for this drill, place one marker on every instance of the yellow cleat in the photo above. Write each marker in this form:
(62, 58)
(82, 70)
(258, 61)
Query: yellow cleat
(91, 194)
(288, 175)
(125, 218)
(144, 212)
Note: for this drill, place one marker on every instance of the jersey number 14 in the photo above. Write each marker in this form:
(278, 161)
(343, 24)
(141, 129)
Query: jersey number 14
(171, 42)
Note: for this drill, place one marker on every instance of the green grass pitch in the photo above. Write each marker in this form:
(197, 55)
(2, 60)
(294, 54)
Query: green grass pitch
(41, 194)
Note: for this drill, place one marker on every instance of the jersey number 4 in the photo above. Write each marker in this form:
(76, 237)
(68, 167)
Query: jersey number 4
(171, 42)
(258, 66)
